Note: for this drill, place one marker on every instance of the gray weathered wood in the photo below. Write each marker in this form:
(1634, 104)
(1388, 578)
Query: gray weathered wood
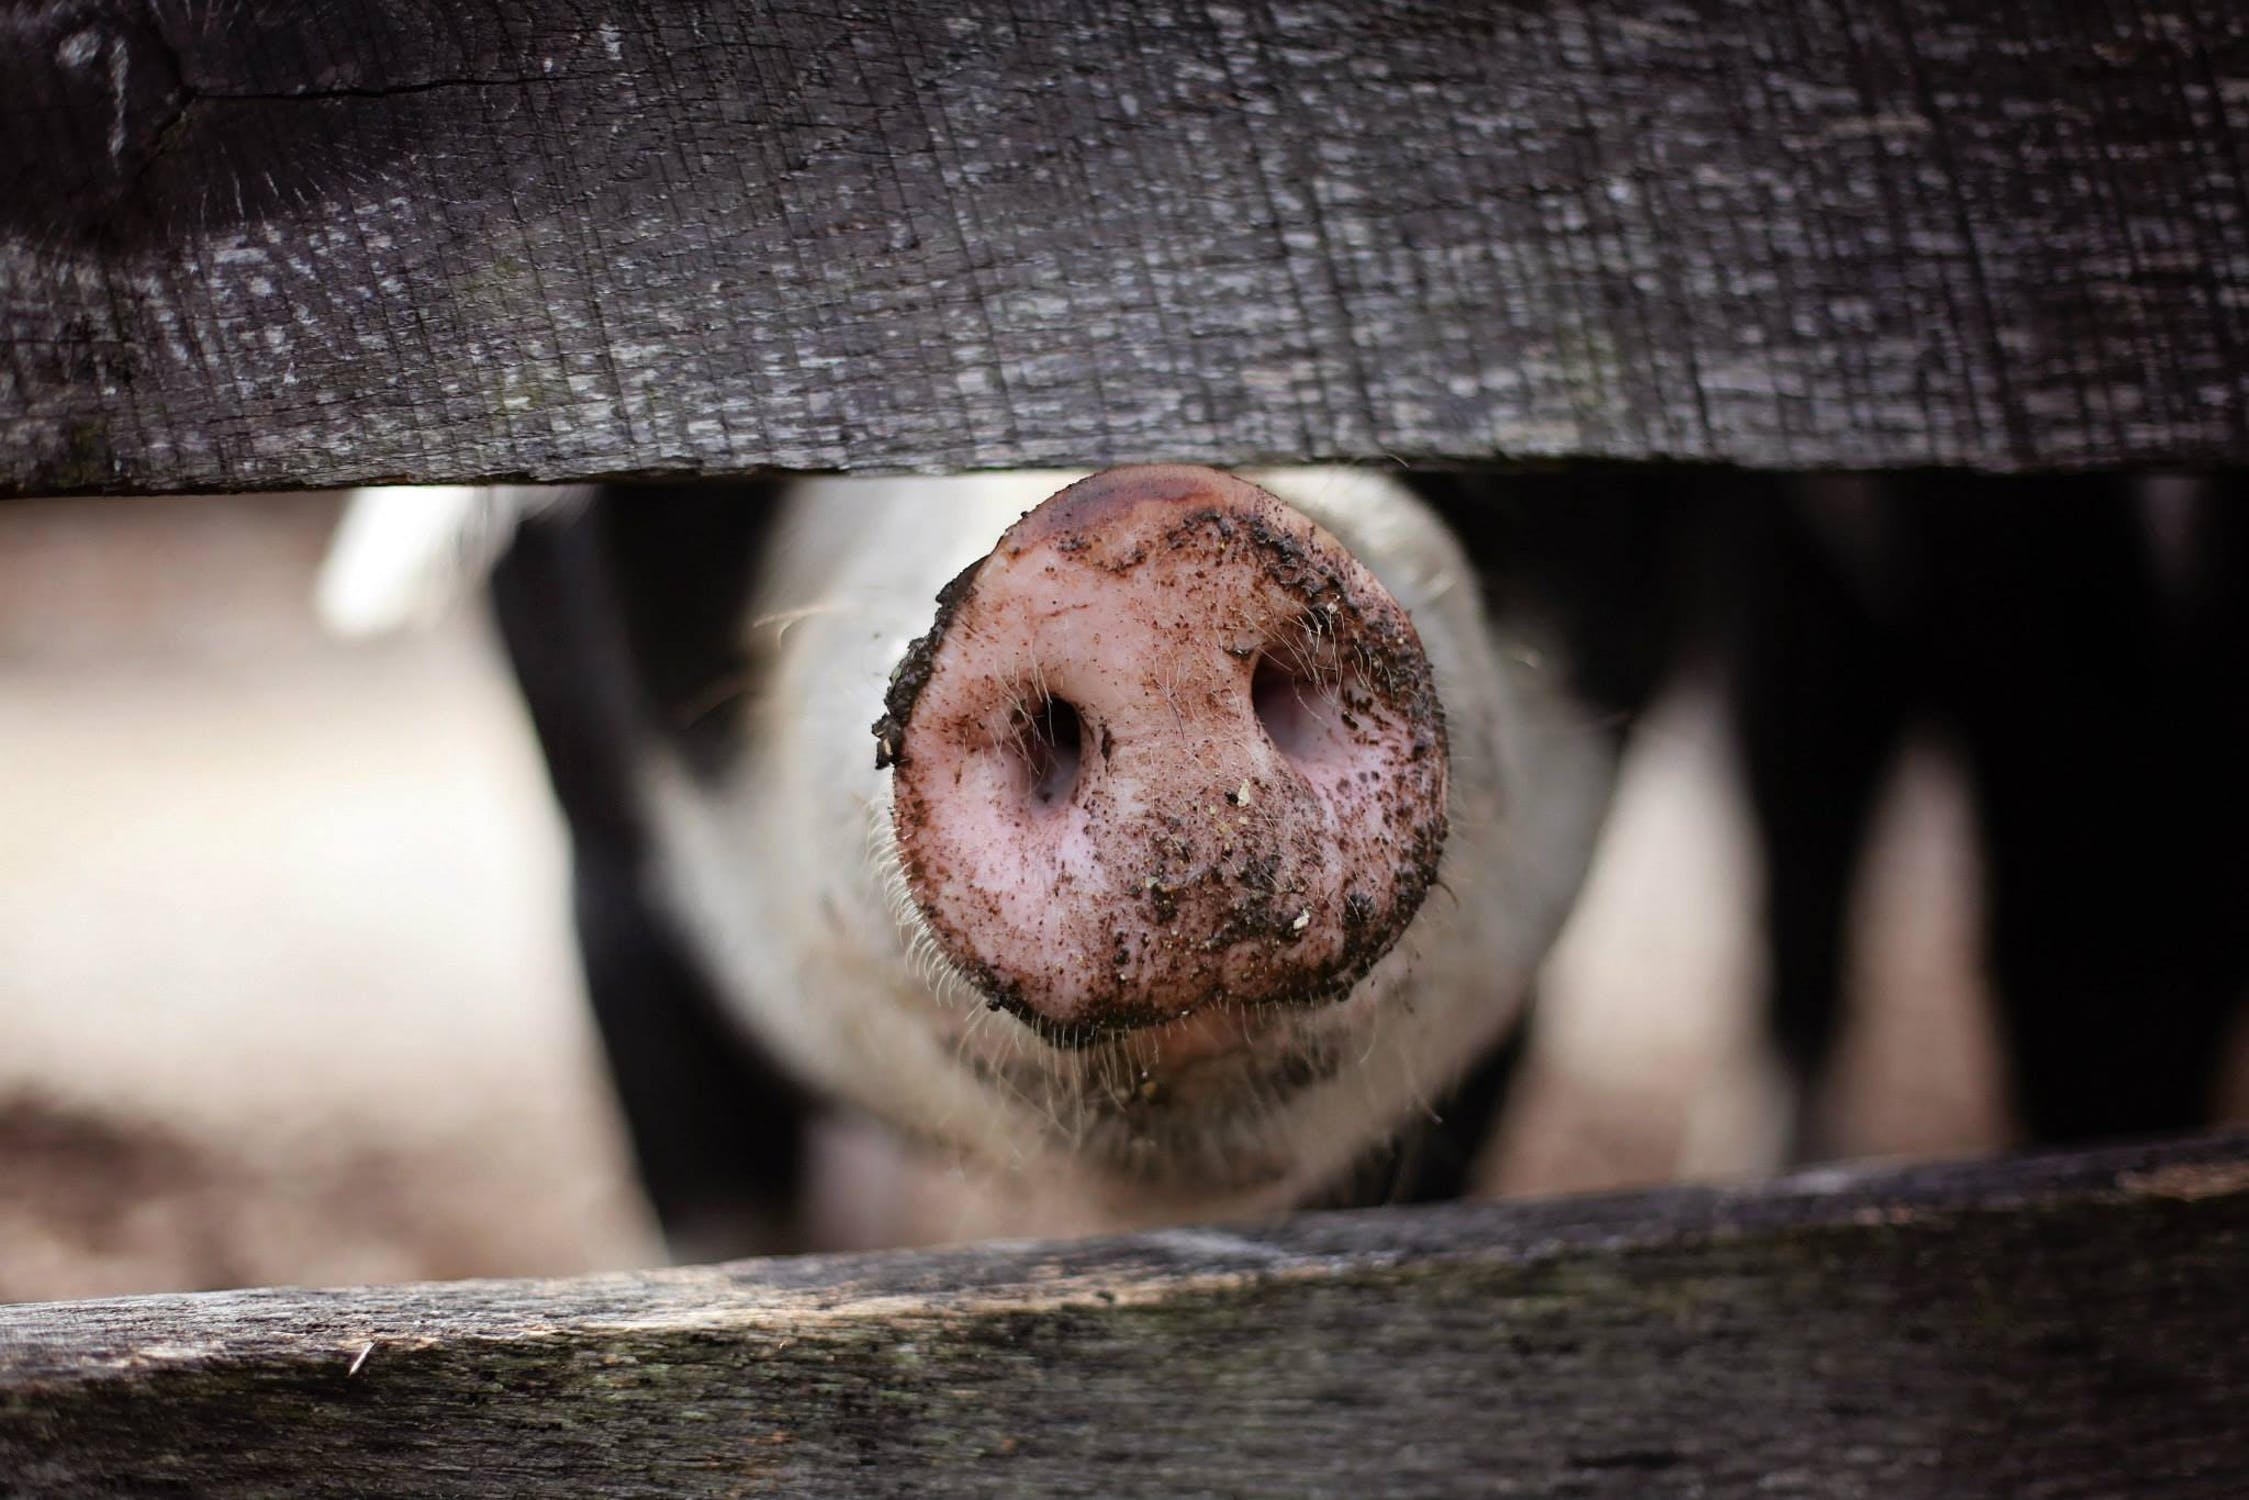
(269, 245)
(2061, 1326)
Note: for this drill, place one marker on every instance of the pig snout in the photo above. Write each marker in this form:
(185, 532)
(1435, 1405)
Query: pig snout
(1169, 748)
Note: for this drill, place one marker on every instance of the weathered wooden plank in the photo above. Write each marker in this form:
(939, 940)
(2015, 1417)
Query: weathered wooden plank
(2063, 1326)
(248, 246)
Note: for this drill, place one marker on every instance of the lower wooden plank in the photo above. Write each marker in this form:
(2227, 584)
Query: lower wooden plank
(2059, 1325)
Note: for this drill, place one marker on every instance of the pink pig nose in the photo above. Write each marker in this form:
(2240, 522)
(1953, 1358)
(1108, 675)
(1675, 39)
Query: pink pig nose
(1169, 746)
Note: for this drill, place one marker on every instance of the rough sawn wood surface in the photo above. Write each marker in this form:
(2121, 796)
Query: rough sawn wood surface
(2059, 1326)
(248, 246)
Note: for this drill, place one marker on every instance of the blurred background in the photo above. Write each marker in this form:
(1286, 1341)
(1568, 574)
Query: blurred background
(287, 989)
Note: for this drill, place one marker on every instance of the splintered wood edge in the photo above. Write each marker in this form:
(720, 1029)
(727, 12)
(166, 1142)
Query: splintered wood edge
(58, 1344)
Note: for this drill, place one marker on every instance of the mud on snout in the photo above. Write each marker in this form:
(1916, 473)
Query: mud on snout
(1169, 771)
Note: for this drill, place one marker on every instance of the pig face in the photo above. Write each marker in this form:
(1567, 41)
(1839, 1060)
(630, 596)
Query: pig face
(1208, 829)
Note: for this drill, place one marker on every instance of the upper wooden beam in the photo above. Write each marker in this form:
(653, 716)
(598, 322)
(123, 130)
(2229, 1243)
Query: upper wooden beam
(252, 246)
(2061, 1326)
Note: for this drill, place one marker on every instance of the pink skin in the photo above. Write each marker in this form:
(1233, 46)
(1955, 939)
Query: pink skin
(1169, 752)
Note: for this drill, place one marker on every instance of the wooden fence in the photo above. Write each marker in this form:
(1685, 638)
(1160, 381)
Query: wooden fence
(248, 246)
(2056, 1326)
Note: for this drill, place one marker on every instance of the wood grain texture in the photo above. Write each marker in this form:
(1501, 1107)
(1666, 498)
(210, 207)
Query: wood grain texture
(2060, 1326)
(246, 244)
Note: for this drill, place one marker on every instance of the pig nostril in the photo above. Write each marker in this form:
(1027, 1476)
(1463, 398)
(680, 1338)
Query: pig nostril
(1298, 711)
(1050, 737)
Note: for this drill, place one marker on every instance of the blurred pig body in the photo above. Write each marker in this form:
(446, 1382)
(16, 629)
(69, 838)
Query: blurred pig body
(758, 948)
